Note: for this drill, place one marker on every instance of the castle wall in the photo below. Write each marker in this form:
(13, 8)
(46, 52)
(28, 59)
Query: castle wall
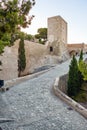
(57, 29)
(57, 36)
(75, 48)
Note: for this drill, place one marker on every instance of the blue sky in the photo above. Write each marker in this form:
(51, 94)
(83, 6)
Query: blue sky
(73, 11)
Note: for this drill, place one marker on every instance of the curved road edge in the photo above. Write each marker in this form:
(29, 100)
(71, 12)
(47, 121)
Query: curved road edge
(68, 100)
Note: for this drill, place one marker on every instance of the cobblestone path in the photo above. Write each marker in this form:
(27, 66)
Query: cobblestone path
(32, 105)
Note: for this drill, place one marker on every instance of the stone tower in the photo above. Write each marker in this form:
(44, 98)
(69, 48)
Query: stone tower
(57, 36)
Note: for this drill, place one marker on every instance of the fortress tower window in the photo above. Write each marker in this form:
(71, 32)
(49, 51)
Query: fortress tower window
(51, 49)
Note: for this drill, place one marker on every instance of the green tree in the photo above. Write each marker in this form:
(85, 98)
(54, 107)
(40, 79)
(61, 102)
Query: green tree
(0, 63)
(73, 79)
(29, 37)
(14, 14)
(81, 56)
(42, 35)
(21, 57)
(83, 69)
(80, 73)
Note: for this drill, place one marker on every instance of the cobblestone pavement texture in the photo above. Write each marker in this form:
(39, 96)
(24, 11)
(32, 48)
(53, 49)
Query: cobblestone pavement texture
(32, 105)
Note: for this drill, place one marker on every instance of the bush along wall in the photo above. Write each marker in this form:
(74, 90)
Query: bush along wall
(21, 57)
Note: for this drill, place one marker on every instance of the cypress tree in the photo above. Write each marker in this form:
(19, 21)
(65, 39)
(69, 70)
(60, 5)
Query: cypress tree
(0, 64)
(73, 79)
(81, 56)
(80, 74)
(21, 57)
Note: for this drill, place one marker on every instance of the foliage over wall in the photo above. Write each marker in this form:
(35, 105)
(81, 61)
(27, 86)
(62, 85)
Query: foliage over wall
(41, 35)
(26, 36)
(14, 14)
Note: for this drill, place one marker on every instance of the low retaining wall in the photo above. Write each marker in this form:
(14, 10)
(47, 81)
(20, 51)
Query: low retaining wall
(10, 83)
(62, 85)
(68, 100)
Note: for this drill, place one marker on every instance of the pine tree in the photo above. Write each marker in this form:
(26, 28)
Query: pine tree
(21, 57)
(73, 79)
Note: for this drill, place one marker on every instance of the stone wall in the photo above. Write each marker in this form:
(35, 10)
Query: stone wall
(35, 57)
(9, 62)
(35, 54)
(75, 48)
(62, 85)
(57, 29)
(57, 37)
